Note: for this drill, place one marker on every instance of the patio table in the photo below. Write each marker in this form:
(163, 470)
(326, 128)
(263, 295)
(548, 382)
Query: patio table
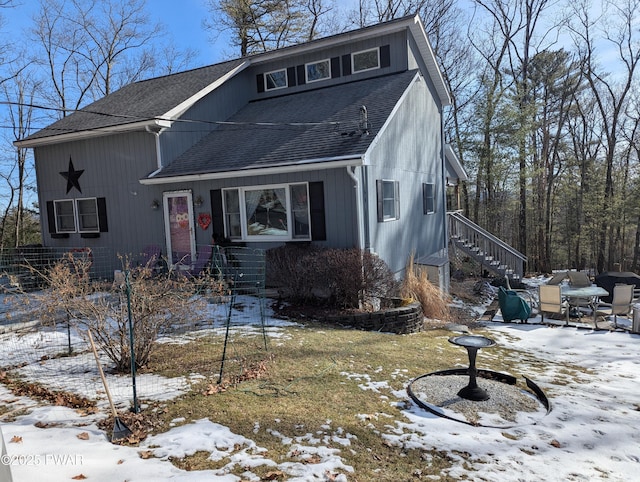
(592, 293)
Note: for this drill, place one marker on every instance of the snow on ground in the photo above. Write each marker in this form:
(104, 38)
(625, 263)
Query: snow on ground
(592, 432)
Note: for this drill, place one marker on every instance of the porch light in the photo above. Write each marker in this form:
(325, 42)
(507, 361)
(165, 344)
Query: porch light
(155, 204)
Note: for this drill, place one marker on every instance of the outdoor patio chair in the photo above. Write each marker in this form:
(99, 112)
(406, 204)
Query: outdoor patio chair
(550, 301)
(203, 259)
(512, 306)
(150, 255)
(578, 279)
(557, 278)
(621, 304)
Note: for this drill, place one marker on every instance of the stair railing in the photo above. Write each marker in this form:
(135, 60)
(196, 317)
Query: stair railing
(490, 248)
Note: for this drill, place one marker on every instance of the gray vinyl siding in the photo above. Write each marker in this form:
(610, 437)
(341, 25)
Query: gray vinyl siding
(112, 166)
(398, 56)
(200, 119)
(409, 151)
(338, 196)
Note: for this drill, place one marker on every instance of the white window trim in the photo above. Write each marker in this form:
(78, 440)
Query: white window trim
(244, 237)
(77, 215)
(396, 201)
(286, 80)
(353, 66)
(306, 71)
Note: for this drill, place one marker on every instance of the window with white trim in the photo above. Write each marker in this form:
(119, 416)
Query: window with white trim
(65, 216)
(267, 213)
(428, 198)
(388, 194)
(276, 79)
(365, 60)
(85, 216)
(316, 71)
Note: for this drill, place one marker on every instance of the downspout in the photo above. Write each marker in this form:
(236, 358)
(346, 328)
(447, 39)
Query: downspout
(158, 150)
(443, 183)
(359, 214)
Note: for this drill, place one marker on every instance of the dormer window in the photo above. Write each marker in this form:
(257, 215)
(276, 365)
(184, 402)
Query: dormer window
(365, 60)
(318, 71)
(275, 80)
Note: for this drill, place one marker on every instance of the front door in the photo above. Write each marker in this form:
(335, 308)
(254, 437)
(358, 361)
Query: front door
(179, 227)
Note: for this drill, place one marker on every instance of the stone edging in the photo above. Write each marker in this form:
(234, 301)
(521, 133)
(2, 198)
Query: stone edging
(401, 320)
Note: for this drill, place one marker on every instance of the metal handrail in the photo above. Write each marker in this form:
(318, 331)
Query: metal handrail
(483, 240)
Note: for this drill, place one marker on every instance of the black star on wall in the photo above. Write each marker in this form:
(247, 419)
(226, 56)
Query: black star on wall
(73, 177)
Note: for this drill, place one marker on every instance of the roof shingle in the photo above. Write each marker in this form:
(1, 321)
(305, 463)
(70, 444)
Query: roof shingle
(306, 126)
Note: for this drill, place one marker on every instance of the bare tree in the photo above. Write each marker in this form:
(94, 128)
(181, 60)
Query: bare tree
(20, 92)
(91, 48)
(260, 26)
(618, 26)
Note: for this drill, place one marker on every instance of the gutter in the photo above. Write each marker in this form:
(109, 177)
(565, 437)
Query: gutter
(308, 165)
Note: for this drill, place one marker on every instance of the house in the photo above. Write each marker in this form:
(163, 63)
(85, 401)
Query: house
(336, 142)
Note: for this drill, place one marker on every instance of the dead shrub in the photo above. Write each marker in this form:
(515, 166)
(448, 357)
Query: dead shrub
(157, 302)
(416, 285)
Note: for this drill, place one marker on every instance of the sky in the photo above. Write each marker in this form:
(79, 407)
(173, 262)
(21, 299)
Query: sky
(592, 432)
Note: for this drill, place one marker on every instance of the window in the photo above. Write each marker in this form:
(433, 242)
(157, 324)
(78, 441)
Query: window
(365, 60)
(388, 194)
(87, 210)
(275, 80)
(267, 213)
(428, 199)
(87, 216)
(65, 216)
(318, 70)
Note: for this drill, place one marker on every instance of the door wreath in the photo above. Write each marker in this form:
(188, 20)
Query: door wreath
(204, 220)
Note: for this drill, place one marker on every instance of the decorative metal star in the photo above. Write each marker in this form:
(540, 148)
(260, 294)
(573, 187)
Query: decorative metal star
(73, 177)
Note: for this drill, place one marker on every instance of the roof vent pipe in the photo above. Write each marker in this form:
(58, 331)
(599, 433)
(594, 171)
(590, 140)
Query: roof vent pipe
(364, 121)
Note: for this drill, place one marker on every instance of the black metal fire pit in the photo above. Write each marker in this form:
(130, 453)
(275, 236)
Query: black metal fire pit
(472, 343)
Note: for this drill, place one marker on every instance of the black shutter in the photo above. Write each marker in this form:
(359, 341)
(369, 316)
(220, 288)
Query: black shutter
(217, 213)
(335, 67)
(346, 64)
(301, 77)
(51, 217)
(102, 214)
(316, 205)
(291, 76)
(260, 82)
(385, 56)
(380, 208)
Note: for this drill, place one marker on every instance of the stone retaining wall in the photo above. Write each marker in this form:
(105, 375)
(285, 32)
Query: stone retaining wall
(401, 320)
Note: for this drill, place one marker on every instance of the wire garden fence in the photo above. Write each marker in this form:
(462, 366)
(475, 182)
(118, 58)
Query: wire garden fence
(159, 332)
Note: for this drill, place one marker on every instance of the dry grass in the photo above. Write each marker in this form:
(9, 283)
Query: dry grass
(416, 285)
(309, 379)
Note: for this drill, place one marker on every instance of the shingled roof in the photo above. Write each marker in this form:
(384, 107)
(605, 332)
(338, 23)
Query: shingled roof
(144, 101)
(306, 127)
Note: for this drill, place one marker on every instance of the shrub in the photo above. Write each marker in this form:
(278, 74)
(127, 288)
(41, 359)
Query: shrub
(417, 286)
(157, 302)
(339, 278)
